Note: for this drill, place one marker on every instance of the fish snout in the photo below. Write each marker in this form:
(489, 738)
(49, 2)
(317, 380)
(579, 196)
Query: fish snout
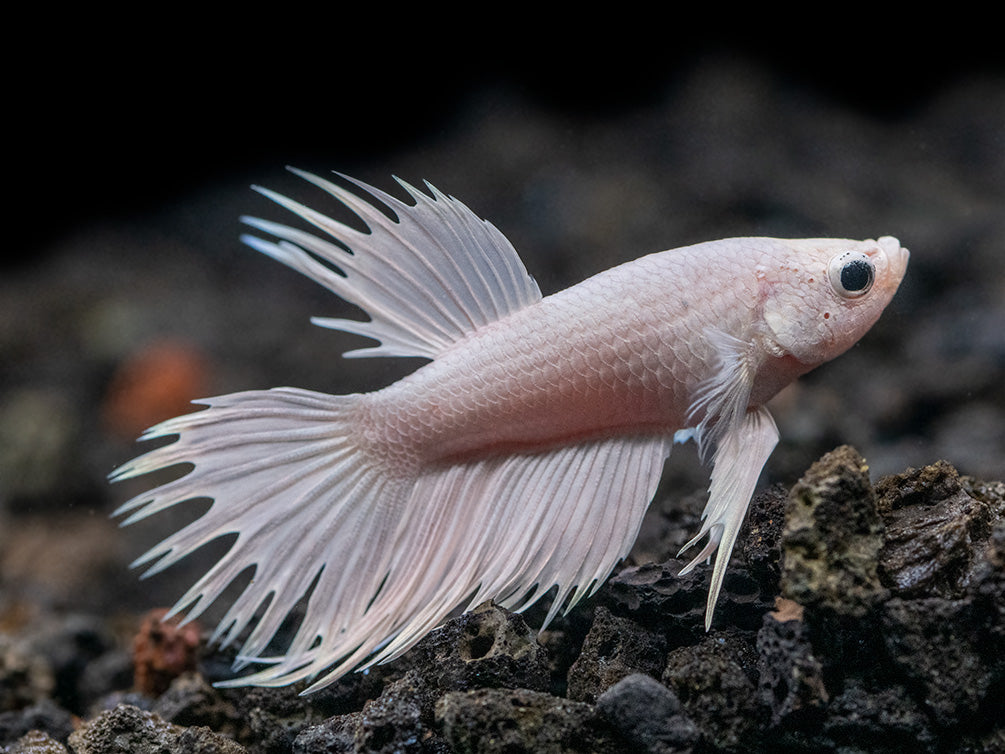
(896, 253)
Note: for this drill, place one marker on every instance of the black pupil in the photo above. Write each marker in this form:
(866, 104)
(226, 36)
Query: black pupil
(857, 275)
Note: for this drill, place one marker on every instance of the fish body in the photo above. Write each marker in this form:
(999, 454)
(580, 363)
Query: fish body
(523, 455)
(615, 354)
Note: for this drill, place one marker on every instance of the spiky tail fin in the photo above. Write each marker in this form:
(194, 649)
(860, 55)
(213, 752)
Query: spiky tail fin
(286, 475)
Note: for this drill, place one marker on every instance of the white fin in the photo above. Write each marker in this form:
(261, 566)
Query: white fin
(388, 557)
(286, 476)
(721, 400)
(506, 528)
(740, 454)
(510, 528)
(426, 279)
(743, 440)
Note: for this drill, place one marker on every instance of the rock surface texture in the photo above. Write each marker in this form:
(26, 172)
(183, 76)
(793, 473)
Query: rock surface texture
(883, 627)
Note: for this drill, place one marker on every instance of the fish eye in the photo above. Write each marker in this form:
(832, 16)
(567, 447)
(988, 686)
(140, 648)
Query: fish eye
(851, 274)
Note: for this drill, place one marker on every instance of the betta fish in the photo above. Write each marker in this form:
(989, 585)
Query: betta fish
(521, 457)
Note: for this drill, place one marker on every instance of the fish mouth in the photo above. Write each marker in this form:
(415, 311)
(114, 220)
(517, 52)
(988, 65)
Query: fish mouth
(896, 253)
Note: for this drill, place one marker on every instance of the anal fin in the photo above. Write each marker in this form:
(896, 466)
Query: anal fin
(507, 528)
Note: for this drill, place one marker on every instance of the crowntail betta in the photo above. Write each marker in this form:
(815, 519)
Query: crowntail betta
(522, 456)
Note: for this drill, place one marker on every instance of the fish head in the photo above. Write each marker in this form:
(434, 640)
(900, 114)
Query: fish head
(820, 296)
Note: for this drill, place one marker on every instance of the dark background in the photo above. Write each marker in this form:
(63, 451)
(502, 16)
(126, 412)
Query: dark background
(112, 117)
(134, 142)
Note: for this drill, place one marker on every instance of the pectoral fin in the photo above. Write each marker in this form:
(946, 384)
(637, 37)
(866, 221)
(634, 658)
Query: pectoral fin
(740, 454)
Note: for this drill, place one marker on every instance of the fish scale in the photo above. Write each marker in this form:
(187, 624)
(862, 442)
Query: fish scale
(534, 386)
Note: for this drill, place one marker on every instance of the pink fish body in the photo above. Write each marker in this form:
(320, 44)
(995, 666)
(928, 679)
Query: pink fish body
(523, 455)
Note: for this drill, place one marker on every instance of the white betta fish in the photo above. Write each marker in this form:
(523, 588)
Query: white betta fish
(522, 456)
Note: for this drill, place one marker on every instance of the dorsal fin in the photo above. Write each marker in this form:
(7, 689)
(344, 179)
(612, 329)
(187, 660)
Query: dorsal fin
(427, 279)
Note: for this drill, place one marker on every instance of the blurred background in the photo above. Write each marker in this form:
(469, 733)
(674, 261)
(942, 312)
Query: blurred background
(125, 292)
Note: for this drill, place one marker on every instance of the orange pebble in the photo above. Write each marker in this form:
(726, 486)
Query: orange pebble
(162, 652)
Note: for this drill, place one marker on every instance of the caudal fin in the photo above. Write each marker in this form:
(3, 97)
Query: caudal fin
(286, 475)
